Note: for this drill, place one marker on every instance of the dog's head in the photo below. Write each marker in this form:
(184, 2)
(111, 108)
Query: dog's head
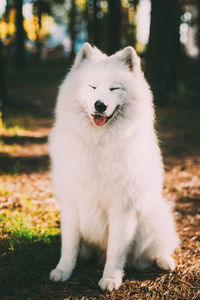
(105, 84)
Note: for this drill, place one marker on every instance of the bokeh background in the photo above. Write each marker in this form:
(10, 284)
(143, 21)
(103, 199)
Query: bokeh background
(165, 33)
(38, 42)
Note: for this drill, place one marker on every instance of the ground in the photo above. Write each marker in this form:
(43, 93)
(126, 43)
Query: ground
(30, 220)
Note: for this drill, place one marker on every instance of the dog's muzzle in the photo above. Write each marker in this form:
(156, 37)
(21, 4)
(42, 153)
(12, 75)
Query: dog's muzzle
(101, 119)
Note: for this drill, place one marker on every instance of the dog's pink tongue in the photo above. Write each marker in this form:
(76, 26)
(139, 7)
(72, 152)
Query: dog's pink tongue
(99, 120)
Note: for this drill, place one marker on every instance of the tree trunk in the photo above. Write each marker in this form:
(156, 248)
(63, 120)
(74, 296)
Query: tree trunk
(97, 24)
(72, 28)
(20, 55)
(131, 30)
(37, 11)
(89, 19)
(4, 98)
(163, 50)
(198, 26)
(114, 25)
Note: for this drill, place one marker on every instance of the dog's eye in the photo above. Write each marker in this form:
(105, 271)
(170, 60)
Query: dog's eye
(93, 87)
(115, 88)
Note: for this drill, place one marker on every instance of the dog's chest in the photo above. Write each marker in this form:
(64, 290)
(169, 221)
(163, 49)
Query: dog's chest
(103, 183)
(93, 221)
(107, 162)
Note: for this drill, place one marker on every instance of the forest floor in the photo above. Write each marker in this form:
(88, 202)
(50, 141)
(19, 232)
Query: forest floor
(30, 220)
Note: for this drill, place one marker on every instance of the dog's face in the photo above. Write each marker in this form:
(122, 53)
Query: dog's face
(106, 98)
(103, 83)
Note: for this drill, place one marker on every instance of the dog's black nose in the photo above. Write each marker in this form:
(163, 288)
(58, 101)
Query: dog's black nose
(100, 106)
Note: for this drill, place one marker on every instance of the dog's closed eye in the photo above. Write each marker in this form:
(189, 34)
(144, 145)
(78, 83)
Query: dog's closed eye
(115, 88)
(93, 87)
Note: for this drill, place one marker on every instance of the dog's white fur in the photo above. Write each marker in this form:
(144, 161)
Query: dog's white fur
(109, 178)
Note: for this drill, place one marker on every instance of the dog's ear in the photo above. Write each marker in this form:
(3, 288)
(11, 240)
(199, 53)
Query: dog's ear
(129, 56)
(85, 52)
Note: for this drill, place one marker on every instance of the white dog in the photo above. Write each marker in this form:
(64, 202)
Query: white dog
(107, 167)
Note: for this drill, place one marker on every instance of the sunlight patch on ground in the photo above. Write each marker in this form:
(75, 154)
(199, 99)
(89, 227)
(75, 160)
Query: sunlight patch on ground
(26, 215)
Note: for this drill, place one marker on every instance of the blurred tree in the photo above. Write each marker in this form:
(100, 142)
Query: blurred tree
(7, 9)
(135, 2)
(41, 7)
(114, 25)
(20, 55)
(163, 49)
(4, 98)
(72, 28)
(89, 18)
(198, 25)
(37, 11)
(97, 23)
(132, 29)
(129, 28)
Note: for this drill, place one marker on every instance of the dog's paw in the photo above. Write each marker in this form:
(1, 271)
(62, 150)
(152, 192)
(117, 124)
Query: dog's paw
(166, 263)
(109, 284)
(59, 275)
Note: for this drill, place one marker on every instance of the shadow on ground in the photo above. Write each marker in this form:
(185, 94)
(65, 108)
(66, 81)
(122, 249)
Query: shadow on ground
(27, 271)
(27, 267)
(23, 164)
(21, 140)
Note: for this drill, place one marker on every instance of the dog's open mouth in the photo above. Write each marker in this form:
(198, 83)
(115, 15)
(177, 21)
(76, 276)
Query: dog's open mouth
(100, 120)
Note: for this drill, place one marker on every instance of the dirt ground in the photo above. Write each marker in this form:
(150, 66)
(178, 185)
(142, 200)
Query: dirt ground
(24, 168)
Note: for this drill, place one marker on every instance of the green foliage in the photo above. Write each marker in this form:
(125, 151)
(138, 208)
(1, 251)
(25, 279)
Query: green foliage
(15, 124)
(28, 221)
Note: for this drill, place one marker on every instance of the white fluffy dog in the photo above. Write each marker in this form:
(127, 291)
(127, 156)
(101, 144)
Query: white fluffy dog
(107, 168)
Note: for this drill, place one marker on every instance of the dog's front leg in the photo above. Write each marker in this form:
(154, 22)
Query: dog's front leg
(70, 245)
(121, 232)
